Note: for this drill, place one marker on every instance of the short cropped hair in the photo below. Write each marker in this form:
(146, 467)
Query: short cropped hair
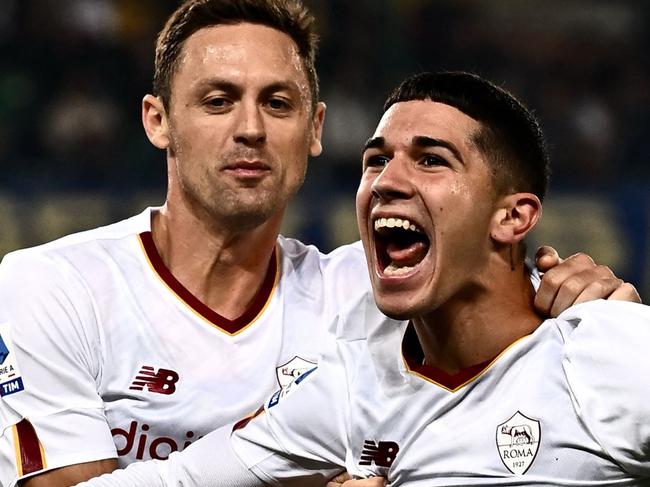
(510, 136)
(288, 16)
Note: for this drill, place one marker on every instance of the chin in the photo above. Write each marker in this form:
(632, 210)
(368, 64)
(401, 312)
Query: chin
(394, 309)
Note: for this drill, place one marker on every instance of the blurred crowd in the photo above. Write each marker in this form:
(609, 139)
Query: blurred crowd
(74, 72)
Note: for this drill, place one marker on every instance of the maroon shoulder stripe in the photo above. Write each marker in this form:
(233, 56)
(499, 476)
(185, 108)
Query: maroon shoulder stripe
(230, 326)
(29, 448)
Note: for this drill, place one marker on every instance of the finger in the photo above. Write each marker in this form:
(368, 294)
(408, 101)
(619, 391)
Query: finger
(339, 480)
(546, 258)
(601, 283)
(555, 278)
(601, 289)
(370, 482)
(625, 292)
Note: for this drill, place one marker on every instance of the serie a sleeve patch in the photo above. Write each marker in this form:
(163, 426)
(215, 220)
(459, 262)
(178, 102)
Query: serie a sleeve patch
(10, 379)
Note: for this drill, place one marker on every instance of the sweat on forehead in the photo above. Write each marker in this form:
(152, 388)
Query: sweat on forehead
(288, 16)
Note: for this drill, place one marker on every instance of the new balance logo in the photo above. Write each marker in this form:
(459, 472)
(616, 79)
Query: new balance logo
(161, 382)
(381, 454)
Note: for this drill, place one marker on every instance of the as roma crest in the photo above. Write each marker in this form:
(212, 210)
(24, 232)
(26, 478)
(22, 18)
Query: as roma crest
(518, 441)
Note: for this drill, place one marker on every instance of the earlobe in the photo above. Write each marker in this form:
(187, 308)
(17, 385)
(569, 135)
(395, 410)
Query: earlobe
(515, 218)
(154, 121)
(318, 119)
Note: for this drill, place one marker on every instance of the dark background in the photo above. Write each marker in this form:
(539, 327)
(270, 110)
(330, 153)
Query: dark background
(74, 156)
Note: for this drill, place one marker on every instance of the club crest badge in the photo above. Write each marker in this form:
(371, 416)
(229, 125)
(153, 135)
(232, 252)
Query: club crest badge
(290, 375)
(294, 368)
(517, 441)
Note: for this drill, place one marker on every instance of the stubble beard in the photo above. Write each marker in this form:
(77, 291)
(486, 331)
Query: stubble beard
(238, 209)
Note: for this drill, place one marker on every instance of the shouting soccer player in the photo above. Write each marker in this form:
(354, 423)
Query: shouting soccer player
(476, 388)
(131, 341)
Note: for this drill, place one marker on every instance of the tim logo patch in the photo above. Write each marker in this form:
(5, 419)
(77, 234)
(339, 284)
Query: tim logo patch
(518, 440)
(10, 379)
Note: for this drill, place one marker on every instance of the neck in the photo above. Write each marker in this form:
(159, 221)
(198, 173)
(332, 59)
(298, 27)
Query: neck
(481, 321)
(224, 268)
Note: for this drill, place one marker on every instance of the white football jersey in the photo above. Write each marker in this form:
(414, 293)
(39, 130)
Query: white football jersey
(103, 353)
(568, 405)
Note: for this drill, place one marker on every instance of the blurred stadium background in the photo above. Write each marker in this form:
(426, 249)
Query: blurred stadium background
(74, 156)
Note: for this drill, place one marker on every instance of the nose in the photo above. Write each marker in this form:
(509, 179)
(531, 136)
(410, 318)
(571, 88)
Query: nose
(393, 182)
(250, 129)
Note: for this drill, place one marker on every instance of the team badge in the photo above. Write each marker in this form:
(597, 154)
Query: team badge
(10, 379)
(518, 440)
(290, 375)
(294, 368)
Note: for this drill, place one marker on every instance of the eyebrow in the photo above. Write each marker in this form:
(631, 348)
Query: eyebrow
(421, 141)
(219, 83)
(229, 86)
(374, 143)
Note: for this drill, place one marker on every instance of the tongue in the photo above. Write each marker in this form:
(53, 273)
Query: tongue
(410, 255)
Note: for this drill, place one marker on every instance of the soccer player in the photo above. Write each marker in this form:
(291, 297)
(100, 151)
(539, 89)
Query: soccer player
(476, 388)
(134, 340)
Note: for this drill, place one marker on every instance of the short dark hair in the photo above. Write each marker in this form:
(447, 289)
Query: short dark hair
(288, 16)
(510, 136)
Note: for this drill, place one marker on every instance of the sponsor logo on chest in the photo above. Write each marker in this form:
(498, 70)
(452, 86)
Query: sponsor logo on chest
(517, 441)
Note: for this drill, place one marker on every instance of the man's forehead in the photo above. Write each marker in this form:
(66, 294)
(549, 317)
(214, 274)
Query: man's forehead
(242, 44)
(405, 121)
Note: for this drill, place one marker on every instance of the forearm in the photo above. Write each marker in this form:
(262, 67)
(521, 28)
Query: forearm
(149, 473)
(210, 462)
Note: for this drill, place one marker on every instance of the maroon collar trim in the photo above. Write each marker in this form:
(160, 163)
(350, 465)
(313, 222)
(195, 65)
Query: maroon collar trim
(413, 357)
(231, 327)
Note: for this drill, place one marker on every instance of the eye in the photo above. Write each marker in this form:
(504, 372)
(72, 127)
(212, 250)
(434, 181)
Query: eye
(431, 160)
(218, 103)
(376, 160)
(279, 104)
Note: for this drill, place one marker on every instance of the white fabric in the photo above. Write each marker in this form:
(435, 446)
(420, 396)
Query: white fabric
(83, 315)
(192, 471)
(568, 405)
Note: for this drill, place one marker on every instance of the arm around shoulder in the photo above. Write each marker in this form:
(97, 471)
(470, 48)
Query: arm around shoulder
(71, 475)
(607, 366)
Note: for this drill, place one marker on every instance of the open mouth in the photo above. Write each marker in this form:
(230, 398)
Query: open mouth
(400, 246)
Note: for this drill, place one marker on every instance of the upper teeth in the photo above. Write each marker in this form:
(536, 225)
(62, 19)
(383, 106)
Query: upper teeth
(395, 223)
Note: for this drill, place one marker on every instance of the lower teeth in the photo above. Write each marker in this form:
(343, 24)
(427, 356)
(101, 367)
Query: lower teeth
(393, 270)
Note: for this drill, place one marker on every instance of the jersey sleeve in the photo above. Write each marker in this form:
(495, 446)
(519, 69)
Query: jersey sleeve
(300, 438)
(51, 414)
(607, 365)
(297, 439)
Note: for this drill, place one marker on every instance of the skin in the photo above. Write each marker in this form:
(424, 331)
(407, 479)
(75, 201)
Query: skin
(466, 280)
(237, 134)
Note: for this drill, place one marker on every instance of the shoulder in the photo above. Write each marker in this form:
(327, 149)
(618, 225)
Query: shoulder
(347, 257)
(607, 367)
(77, 242)
(68, 259)
(341, 271)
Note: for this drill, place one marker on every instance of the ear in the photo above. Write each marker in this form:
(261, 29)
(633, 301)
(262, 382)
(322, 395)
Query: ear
(154, 120)
(516, 215)
(315, 145)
